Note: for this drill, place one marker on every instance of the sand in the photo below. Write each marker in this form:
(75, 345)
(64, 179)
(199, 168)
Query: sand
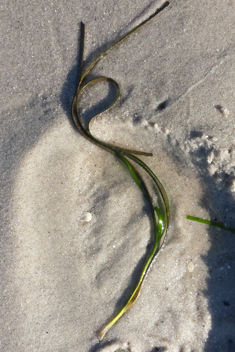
(74, 226)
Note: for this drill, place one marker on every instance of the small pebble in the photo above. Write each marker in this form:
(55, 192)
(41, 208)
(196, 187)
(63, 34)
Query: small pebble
(86, 217)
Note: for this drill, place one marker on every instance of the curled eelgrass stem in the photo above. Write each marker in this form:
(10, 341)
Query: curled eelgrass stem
(212, 223)
(160, 220)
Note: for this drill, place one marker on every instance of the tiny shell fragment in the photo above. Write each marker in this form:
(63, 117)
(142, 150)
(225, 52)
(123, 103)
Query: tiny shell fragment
(86, 217)
(191, 267)
(225, 111)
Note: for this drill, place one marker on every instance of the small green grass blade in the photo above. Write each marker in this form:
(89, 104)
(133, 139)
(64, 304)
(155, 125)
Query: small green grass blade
(211, 223)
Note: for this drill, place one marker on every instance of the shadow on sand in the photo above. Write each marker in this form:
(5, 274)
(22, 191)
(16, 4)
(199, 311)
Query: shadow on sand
(220, 259)
(218, 201)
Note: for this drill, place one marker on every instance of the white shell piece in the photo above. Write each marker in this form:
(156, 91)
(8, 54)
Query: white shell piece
(86, 217)
(191, 267)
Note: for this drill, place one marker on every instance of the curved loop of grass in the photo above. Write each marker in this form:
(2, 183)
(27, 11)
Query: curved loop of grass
(211, 223)
(160, 219)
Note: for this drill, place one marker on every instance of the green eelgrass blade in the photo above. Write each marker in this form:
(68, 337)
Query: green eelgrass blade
(86, 131)
(75, 111)
(160, 221)
(212, 223)
(158, 231)
(158, 184)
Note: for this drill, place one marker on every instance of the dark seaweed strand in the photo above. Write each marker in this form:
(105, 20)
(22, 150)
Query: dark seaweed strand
(160, 222)
(162, 7)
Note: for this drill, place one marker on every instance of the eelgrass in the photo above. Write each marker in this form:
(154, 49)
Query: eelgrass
(160, 219)
(211, 223)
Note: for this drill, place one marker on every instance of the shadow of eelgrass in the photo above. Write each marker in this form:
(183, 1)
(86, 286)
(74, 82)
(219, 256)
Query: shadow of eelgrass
(220, 259)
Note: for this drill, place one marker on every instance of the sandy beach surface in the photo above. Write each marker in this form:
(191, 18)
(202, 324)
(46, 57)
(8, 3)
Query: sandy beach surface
(63, 277)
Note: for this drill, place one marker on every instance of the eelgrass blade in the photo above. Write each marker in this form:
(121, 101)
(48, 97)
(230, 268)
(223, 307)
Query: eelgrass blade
(81, 51)
(158, 184)
(75, 111)
(160, 221)
(86, 131)
(211, 223)
(158, 225)
(161, 8)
